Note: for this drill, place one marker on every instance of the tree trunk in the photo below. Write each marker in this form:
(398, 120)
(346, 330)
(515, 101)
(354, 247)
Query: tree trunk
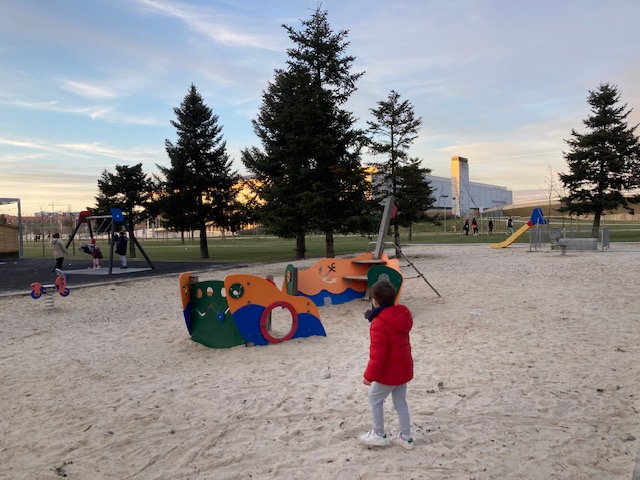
(328, 240)
(596, 224)
(301, 246)
(182, 237)
(410, 232)
(204, 248)
(132, 244)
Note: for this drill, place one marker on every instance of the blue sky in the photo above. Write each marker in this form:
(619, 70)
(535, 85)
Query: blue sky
(86, 85)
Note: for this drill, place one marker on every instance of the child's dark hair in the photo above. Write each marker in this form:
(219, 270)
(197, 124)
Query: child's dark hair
(383, 292)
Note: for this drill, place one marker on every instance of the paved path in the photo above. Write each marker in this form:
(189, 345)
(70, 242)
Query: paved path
(16, 275)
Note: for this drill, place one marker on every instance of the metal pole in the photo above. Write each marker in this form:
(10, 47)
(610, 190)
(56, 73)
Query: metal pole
(21, 248)
(42, 227)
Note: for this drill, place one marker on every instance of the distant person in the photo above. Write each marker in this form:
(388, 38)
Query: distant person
(474, 226)
(121, 249)
(390, 366)
(59, 251)
(466, 227)
(490, 226)
(509, 226)
(96, 253)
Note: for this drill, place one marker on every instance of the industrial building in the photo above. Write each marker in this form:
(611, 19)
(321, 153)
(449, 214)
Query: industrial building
(458, 196)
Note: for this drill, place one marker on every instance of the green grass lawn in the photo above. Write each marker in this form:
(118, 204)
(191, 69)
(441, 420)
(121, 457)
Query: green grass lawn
(239, 249)
(254, 249)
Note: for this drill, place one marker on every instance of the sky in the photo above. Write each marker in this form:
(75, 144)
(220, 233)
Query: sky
(86, 85)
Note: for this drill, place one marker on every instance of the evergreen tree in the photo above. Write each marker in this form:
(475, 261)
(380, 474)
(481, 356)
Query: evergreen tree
(200, 184)
(282, 171)
(309, 168)
(393, 131)
(604, 163)
(173, 200)
(130, 190)
(414, 194)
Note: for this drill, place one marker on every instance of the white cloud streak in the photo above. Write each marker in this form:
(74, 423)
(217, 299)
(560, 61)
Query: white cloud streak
(87, 90)
(208, 23)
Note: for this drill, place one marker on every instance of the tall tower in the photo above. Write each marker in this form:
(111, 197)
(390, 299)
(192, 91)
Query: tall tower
(460, 203)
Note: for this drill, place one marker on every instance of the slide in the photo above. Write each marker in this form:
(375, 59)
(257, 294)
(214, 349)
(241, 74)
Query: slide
(537, 218)
(513, 237)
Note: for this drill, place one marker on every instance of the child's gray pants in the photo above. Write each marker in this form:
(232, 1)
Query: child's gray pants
(377, 395)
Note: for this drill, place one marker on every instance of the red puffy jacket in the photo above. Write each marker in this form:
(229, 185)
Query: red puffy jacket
(390, 361)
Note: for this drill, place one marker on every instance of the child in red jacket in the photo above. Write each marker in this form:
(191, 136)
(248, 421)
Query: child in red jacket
(390, 365)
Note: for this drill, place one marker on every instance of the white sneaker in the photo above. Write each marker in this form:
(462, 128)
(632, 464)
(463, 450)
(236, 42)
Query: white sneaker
(374, 440)
(401, 442)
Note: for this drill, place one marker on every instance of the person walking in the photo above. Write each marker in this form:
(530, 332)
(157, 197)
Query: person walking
(474, 226)
(121, 249)
(509, 226)
(59, 251)
(490, 225)
(390, 366)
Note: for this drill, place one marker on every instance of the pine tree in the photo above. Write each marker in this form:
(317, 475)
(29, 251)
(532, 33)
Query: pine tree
(282, 171)
(392, 133)
(200, 184)
(309, 169)
(130, 190)
(604, 163)
(414, 195)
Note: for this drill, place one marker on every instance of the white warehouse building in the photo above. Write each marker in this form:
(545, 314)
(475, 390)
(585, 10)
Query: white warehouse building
(460, 197)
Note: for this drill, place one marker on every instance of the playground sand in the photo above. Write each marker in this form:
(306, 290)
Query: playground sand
(527, 367)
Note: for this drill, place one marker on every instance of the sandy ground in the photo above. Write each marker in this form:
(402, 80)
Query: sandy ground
(526, 367)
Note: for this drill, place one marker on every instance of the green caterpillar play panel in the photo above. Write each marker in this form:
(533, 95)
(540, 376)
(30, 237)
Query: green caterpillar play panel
(213, 323)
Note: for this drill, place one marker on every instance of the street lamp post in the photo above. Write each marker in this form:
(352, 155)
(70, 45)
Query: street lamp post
(444, 214)
(51, 220)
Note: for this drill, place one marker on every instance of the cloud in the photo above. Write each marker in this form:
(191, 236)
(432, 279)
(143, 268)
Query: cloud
(206, 22)
(42, 190)
(39, 172)
(20, 143)
(57, 106)
(87, 90)
(96, 151)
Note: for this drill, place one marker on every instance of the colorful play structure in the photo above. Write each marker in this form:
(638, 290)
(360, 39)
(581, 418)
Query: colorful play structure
(237, 310)
(537, 218)
(333, 281)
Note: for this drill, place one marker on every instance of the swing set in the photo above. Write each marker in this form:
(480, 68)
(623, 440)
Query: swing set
(116, 216)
